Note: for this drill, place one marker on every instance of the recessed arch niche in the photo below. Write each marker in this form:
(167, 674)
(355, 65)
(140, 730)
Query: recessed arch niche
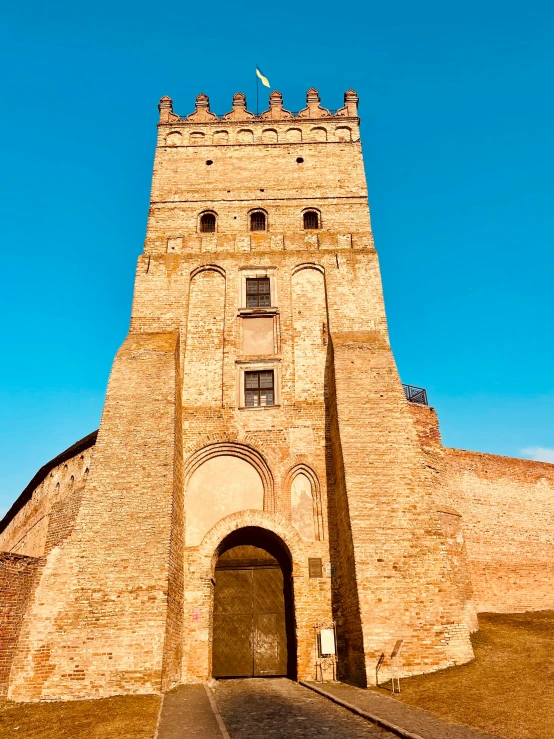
(174, 138)
(294, 134)
(318, 133)
(216, 488)
(221, 137)
(245, 136)
(305, 503)
(269, 136)
(343, 133)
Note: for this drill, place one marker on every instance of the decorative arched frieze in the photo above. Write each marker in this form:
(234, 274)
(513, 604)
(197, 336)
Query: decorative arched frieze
(318, 133)
(174, 138)
(343, 133)
(221, 137)
(293, 135)
(197, 138)
(245, 136)
(303, 469)
(269, 136)
(242, 451)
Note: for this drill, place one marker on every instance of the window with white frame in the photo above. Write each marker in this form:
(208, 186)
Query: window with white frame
(258, 289)
(258, 292)
(258, 384)
(259, 388)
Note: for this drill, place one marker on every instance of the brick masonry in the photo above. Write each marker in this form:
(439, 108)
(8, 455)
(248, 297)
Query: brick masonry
(18, 575)
(406, 529)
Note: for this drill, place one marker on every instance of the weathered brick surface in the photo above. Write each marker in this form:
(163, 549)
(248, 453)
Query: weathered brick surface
(48, 516)
(18, 576)
(507, 509)
(124, 601)
(98, 620)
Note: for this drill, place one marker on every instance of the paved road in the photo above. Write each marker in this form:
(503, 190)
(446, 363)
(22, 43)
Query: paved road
(277, 708)
(411, 719)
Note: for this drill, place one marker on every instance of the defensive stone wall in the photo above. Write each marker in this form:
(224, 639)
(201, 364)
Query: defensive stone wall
(507, 509)
(43, 514)
(497, 513)
(18, 575)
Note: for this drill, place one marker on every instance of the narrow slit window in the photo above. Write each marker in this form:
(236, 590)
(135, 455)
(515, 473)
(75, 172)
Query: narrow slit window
(258, 294)
(207, 223)
(259, 389)
(311, 219)
(257, 221)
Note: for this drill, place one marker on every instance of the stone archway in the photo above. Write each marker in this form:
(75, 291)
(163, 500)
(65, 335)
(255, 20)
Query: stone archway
(253, 613)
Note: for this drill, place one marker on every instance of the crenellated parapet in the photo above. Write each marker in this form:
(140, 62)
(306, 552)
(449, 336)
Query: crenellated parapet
(276, 112)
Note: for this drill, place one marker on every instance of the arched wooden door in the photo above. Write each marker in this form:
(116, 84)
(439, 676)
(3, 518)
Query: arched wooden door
(249, 626)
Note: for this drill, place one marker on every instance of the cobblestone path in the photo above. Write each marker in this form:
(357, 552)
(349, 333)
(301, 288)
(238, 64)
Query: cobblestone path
(261, 708)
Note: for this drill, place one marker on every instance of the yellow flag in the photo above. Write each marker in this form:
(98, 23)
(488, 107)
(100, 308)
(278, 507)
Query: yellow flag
(263, 78)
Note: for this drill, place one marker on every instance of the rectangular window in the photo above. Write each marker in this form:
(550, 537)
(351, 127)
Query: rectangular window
(257, 292)
(259, 389)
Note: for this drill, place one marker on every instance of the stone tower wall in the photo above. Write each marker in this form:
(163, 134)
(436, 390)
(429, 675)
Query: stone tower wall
(124, 603)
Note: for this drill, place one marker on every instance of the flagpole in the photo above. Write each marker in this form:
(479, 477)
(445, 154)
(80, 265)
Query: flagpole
(257, 86)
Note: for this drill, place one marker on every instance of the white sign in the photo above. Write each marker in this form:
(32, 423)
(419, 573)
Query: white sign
(327, 642)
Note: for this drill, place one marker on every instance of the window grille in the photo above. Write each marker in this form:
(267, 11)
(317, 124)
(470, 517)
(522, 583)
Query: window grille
(258, 294)
(259, 389)
(207, 223)
(257, 221)
(311, 219)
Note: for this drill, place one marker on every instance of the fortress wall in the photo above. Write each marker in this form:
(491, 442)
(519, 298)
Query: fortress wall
(426, 424)
(105, 607)
(17, 578)
(47, 516)
(507, 508)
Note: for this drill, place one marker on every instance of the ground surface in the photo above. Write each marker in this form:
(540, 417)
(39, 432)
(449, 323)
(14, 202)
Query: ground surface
(130, 717)
(188, 714)
(261, 708)
(508, 689)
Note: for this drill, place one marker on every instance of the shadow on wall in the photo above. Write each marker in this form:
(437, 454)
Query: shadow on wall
(344, 589)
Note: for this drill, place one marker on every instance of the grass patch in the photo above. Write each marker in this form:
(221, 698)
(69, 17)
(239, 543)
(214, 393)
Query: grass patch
(508, 689)
(121, 717)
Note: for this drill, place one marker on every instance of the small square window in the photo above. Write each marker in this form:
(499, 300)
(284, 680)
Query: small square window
(259, 389)
(258, 294)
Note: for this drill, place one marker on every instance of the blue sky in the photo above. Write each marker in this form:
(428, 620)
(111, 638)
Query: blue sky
(457, 119)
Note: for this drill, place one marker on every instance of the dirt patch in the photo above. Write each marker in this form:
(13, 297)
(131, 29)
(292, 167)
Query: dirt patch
(122, 717)
(507, 689)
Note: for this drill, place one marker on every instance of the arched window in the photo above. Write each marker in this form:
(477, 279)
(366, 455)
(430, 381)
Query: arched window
(207, 223)
(311, 219)
(257, 221)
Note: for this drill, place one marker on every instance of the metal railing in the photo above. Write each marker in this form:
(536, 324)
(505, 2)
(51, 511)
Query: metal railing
(415, 394)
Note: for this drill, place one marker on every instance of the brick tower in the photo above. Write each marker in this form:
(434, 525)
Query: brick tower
(255, 403)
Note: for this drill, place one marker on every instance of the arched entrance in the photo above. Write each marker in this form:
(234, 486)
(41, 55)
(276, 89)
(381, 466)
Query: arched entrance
(253, 617)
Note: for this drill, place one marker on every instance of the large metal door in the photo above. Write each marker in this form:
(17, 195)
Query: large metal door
(249, 633)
